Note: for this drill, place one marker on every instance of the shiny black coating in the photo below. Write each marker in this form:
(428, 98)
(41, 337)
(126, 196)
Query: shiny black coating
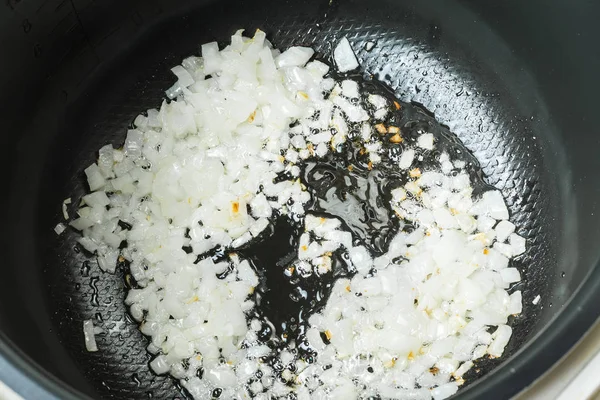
(518, 90)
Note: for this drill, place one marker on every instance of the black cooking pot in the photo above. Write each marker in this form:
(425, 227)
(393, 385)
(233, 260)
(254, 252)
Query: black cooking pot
(517, 81)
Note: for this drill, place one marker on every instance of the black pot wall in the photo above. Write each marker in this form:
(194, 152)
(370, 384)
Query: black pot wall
(516, 81)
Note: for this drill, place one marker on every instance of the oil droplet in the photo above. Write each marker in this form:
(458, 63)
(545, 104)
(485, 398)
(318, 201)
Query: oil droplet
(563, 274)
(369, 46)
(128, 319)
(93, 281)
(85, 268)
(136, 379)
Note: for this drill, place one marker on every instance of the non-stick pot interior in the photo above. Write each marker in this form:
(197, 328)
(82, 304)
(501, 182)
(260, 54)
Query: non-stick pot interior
(82, 71)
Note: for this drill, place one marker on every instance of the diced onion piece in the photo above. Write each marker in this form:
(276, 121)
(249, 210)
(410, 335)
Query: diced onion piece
(344, 57)
(294, 57)
(516, 304)
(94, 177)
(160, 365)
(444, 391)
(212, 58)
(510, 275)
(425, 141)
(183, 76)
(89, 335)
(406, 159)
(65, 210)
(491, 204)
(517, 244)
(503, 230)
(59, 228)
(501, 337)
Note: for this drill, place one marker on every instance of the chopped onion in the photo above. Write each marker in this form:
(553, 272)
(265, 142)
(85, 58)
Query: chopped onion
(89, 335)
(425, 141)
(59, 228)
(501, 337)
(294, 57)
(213, 168)
(65, 211)
(344, 57)
(94, 177)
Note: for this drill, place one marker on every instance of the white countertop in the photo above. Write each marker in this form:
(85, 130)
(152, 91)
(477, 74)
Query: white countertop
(575, 377)
(7, 394)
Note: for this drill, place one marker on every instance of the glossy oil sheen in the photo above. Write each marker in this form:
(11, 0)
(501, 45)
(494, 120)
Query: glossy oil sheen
(346, 186)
